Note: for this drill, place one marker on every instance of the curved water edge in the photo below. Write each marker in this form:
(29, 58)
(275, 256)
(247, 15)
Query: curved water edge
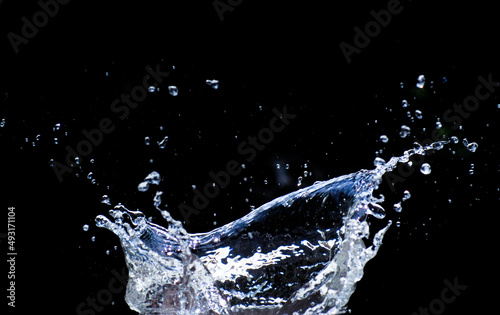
(301, 253)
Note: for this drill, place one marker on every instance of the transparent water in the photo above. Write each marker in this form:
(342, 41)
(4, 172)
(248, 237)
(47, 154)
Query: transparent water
(302, 253)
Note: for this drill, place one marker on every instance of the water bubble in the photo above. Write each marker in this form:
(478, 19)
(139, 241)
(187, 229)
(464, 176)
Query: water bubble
(214, 84)
(105, 200)
(418, 114)
(472, 147)
(384, 138)
(454, 139)
(425, 169)
(397, 207)
(151, 89)
(147, 140)
(405, 131)
(421, 81)
(406, 195)
(85, 227)
(173, 90)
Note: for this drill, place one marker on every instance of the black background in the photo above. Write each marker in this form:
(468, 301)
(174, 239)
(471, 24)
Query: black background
(265, 55)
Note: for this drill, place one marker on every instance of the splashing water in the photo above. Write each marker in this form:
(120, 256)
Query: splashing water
(302, 253)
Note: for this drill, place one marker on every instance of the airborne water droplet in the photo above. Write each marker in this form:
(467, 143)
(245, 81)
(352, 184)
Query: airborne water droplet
(397, 207)
(454, 139)
(421, 81)
(418, 114)
(214, 84)
(425, 169)
(406, 195)
(173, 90)
(472, 147)
(147, 140)
(384, 138)
(405, 131)
(105, 200)
(86, 227)
(151, 89)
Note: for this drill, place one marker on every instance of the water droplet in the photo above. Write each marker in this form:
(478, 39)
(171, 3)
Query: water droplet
(86, 227)
(105, 200)
(406, 195)
(92, 161)
(173, 90)
(384, 138)
(154, 178)
(89, 175)
(397, 207)
(163, 143)
(418, 114)
(107, 252)
(265, 181)
(421, 81)
(438, 125)
(56, 141)
(454, 139)
(299, 181)
(472, 147)
(425, 169)
(287, 166)
(37, 137)
(77, 160)
(379, 162)
(92, 238)
(151, 89)
(405, 131)
(51, 162)
(405, 103)
(147, 140)
(278, 166)
(56, 127)
(143, 186)
(465, 142)
(214, 84)
(2, 123)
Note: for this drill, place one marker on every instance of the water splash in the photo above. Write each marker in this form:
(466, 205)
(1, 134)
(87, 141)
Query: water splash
(301, 253)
